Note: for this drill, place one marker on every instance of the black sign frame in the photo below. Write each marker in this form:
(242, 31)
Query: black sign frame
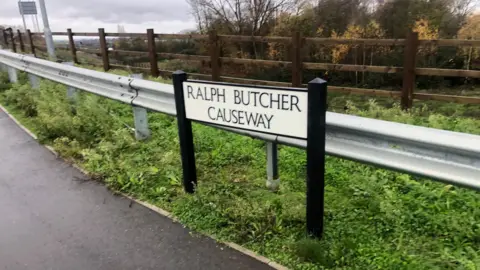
(316, 128)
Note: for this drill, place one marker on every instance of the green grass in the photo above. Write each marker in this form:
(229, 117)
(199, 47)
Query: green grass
(374, 218)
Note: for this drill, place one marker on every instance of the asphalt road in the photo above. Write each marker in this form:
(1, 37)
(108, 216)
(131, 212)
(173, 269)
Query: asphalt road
(52, 218)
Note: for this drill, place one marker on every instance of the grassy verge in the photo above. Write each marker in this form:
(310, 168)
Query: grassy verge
(375, 219)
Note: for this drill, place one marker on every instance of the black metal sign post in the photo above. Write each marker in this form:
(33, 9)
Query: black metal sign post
(317, 108)
(185, 134)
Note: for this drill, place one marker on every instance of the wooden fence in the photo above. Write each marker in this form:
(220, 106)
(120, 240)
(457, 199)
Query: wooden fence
(409, 70)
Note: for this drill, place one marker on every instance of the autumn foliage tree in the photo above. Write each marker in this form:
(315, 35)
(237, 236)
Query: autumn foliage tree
(347, 19)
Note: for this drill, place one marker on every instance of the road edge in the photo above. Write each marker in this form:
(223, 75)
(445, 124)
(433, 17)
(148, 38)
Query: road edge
(152, 207)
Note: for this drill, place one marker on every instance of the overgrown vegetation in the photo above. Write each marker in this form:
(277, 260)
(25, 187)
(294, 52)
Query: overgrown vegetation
(375, 219)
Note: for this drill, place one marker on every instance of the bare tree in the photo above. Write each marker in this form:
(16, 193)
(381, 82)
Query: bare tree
(463, 7)
(247, 17)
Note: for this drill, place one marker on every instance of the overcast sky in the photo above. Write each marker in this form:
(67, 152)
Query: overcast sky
(165, 16)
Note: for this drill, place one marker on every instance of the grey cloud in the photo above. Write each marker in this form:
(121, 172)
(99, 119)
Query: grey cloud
(109, 11)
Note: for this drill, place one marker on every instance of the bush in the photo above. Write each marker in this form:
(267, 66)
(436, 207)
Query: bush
(22, 97)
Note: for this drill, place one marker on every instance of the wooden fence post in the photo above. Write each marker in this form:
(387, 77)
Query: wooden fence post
(32, 45)
(152, 53)
(103, 49)
(214, 56)
(73, 49)
(297, 63)
(5, 38)
(409, 64)
(20, 39)
(12, 39)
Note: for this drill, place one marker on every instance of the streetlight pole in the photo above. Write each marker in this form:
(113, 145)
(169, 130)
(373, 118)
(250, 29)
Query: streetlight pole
(47, 31)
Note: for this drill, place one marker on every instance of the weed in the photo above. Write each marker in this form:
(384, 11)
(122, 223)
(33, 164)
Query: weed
(374, 218)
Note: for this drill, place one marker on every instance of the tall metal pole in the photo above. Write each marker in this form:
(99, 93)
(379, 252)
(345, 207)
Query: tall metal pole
(37, 25)
(24, 23)
(33, 23)
(23, 16)
(47, 31)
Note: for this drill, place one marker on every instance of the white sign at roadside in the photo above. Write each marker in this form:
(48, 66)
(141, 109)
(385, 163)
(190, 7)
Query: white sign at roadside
(280, 111)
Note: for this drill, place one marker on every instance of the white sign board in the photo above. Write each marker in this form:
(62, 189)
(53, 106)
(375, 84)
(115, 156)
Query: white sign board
(279, 111)
(27, 8)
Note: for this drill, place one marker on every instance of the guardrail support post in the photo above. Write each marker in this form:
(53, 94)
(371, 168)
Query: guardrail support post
(32, 45)
(152, 53)
(12, 75)
(214, 56)
(20, 39)
(34, 80)
(103, 49)
(71, 42)
(140, 117)
(297, 64)
(409, 63)
(316, 127)
(71, 91)
(273, 181)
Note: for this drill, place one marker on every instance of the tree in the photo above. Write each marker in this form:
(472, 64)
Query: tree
(397, 17)
(240, 17)
(471, 30)
(336, 15)
(285, 25)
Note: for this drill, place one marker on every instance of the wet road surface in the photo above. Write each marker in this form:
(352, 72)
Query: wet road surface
(52, 217)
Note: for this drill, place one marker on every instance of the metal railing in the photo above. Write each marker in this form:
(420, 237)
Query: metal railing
(445, 156)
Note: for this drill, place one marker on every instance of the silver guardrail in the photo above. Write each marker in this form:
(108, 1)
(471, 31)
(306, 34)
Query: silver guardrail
(449, 157)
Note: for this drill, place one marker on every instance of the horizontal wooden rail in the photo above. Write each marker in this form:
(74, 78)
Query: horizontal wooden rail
(447, 72)
(132, 35)
(448, 98)
(338, 89)
(198, 75)
(255, 82)
(340, 67)
(253, 38)
(184, 56)
(372, 42)
(316, 40)
(270, 63)
(449, 42)
(130, 67)
(182, 36)
(89, 50)
(364, 91)
(82, 34)
(138, 53)
(165, 73)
